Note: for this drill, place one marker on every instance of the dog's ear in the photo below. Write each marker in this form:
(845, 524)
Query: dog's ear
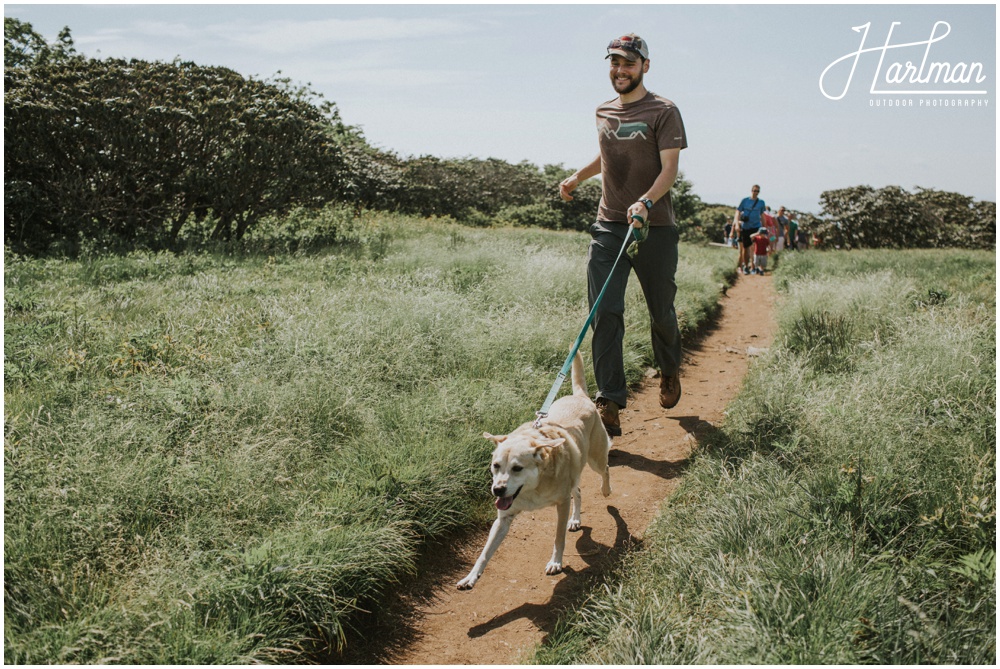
(544, 447)
(540, 444)
(494, 438)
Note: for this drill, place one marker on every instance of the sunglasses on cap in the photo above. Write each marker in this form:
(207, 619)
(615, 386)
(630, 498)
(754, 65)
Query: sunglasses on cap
(630, 43)
(627, 42)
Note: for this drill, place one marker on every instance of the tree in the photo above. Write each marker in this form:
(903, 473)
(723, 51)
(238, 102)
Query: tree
(693, 223)
(958, 220)
(23, 47)
(982, 229)
(133, 151)
(869, 218)
(685, 203)
(891, 217)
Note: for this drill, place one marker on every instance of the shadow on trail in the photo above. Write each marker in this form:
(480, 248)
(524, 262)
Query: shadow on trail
(567, 591)
(698, 428)
(665, 469)
(701, 430)
(389, 631)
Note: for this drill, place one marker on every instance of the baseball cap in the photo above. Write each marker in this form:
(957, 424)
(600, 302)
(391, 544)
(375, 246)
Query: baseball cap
(629, 46)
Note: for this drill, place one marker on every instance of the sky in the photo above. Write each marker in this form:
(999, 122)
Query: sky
(799, 98)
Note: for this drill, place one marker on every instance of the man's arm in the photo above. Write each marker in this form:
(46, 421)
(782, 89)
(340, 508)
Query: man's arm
(664, 181)
(569, 184)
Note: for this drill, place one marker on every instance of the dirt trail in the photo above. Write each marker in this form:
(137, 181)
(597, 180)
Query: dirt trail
(515, 605)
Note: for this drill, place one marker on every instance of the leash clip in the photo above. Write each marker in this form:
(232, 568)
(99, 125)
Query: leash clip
(538, 420)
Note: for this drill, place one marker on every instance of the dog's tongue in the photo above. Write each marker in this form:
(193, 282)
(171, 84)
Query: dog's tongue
(503, 503)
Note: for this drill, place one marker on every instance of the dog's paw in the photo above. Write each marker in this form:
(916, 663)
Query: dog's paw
(467, 582)
(553, 567)
(573, 525)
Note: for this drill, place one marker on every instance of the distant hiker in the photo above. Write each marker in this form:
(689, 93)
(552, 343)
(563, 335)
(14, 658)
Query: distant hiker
(749, 213)
(771, 224)
(761, 246)
(793, 228)
(641, 136)
(782, 221)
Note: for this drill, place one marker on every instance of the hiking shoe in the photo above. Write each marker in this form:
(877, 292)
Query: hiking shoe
(608, 411)
(670, 391)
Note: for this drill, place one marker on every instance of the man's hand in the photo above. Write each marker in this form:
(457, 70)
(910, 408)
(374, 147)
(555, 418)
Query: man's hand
(567, 186)
(637, 209)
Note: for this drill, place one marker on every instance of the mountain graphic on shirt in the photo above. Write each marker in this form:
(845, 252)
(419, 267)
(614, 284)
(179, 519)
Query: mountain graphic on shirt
(624, 130)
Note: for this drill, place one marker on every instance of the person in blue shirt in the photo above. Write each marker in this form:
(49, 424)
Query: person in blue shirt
(748, 214)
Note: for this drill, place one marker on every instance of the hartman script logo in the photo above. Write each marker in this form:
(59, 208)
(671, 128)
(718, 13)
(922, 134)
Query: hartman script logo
(919, 76)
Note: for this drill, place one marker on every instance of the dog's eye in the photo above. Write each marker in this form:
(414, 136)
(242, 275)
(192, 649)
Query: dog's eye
(496, 467)
(516, 468)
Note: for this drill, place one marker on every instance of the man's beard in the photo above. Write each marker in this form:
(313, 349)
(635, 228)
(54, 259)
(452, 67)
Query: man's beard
(633, 84)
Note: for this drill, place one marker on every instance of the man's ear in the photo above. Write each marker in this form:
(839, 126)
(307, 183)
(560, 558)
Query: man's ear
(645, 66)
(494, 438)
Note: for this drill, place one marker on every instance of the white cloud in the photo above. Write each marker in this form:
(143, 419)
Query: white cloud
(144, 31)
(301, 46)
(288, 36)
(390, 78)
(99, 39)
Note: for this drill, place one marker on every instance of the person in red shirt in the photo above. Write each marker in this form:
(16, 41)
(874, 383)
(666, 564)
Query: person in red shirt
(761, 244)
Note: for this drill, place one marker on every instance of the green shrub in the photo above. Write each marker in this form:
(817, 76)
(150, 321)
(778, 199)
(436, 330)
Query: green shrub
(538, 215)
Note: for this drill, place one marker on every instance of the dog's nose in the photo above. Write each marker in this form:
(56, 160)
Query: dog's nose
(500, 491)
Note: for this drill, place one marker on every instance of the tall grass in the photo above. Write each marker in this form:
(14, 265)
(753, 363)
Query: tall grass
(218, 458)
(846, 511)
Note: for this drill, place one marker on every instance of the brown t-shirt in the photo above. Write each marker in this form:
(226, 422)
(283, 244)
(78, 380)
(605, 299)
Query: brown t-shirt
(631, 138)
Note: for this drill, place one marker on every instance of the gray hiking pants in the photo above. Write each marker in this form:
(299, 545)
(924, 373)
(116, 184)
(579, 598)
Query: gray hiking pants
(655, 266)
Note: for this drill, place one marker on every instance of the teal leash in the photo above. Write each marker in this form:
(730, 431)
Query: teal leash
(639, 234)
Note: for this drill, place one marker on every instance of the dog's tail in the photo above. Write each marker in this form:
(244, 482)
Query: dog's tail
(579, 376)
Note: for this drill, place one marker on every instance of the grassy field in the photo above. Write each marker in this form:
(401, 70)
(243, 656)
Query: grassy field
(216, 458)
(845, 512)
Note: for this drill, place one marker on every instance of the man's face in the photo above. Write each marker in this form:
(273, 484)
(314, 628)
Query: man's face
(626, 75)
(754, 192)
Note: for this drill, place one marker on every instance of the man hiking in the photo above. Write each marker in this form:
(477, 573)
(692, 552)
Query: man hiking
(749, 212)
(640, 135)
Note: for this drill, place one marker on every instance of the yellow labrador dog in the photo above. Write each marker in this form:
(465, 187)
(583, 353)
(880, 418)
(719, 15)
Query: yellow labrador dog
(539, 467)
